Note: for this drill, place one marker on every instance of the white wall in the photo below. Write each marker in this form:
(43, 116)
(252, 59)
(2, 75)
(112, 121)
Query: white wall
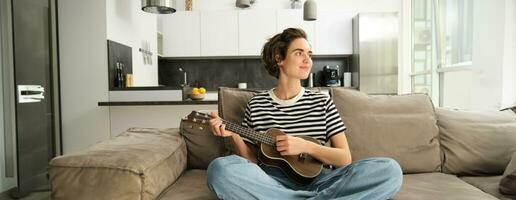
(488, 46)
(129, 25)
(83, 71)
(348, 5)
(490, 82)
(509, 62)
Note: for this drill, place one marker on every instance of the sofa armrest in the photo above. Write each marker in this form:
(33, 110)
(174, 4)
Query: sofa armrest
(138, 164)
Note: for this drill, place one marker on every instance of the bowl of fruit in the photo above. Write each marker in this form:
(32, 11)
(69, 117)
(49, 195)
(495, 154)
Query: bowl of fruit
(197, 93)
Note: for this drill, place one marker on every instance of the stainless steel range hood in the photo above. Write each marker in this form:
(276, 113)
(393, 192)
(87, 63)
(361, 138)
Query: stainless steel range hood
(159, 6)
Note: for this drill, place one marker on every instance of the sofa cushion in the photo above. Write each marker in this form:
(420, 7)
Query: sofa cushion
(201, 144)
(402, 127)
(476, 142)
(138, 164)
(488, 184)
(438, 186)
(232, 102)
(191, 185)
(508, 180)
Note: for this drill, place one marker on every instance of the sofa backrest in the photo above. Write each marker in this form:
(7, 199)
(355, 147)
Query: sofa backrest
(232, 102)
(476, 142)
(402, 127)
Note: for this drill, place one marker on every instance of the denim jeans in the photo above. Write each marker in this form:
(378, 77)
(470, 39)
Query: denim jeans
(234, 177)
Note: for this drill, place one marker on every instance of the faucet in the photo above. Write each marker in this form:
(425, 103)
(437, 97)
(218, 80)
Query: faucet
(185, 82)
(184, 86)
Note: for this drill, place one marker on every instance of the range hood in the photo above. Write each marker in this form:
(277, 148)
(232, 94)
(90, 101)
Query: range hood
(159, 6)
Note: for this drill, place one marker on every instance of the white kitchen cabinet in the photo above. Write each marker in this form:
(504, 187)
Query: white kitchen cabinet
(255, 27)
(333, 33)
(293, 18)
(219, 33)
(181, 34)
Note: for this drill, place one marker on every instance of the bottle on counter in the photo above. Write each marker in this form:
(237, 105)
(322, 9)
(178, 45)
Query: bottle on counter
(121, 78)
(116, 75)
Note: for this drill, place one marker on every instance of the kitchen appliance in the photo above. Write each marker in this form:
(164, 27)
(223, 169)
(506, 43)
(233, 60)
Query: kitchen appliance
(375, 53)
(159, 6)
(331, 75)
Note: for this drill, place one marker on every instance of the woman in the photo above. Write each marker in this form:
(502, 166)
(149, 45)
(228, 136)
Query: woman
(296, 111)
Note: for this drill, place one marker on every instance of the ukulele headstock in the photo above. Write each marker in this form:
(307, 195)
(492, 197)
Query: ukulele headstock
(198, 117)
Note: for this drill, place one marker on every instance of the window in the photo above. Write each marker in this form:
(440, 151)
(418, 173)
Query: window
(442, 32)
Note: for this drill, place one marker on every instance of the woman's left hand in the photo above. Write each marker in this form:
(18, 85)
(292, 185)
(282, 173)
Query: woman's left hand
(290, 145)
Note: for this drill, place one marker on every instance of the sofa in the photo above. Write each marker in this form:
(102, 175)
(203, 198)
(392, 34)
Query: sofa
(444, 153)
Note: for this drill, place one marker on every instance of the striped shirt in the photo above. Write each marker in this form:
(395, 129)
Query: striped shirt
(308, 114)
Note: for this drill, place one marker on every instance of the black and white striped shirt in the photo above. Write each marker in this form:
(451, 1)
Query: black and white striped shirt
(308, 114)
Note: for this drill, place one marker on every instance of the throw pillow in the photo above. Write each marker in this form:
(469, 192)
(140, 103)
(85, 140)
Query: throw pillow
(402, 127)
(201, 144)
(476, 142)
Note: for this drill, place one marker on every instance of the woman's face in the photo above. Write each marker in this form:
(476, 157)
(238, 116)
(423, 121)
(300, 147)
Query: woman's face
(298, 61)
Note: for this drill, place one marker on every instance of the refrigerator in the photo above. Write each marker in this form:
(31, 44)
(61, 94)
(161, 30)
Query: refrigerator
(374, 63)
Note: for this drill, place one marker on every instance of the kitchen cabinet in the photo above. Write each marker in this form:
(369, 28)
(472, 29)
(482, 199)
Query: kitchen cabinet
(255, 27)
(333, 33)
(181, 34)
(293, 18)
(243, 32)
(219, 33)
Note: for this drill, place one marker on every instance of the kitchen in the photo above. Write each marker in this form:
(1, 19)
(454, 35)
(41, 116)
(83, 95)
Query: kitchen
(84, 52)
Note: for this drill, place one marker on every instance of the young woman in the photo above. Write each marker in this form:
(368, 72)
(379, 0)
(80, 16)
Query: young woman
(296, 111)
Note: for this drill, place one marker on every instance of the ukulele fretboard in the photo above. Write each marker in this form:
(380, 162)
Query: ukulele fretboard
(249, 133)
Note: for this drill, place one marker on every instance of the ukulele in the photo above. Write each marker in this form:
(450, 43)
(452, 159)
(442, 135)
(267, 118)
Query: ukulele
(301, 168)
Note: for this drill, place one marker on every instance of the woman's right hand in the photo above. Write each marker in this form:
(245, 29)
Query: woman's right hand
(217, 127)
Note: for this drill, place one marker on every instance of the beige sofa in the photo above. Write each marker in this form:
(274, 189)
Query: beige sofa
(444, 153)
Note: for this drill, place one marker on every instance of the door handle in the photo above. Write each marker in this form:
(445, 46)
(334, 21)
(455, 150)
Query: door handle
(30, 93)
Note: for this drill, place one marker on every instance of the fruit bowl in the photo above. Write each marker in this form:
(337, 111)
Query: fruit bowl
(197, 96)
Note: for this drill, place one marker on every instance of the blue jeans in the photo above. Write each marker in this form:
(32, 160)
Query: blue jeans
(234, 177)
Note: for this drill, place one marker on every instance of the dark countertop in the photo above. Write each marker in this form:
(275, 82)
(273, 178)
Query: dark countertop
(147, 88)
(157, 103)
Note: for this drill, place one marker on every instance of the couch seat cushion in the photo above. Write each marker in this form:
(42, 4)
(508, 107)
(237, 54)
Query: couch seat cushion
(402, 127)
(476, 142)
(438, 186)
(137, 164)
(191, 185)
(488, 184)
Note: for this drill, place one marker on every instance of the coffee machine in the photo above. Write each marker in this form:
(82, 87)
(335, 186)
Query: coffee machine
(331, 75)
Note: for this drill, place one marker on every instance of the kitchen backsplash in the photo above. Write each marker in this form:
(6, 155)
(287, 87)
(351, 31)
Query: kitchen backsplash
(214, 73)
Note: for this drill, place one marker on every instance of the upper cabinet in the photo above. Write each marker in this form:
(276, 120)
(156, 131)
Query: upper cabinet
(243, 33)
(333, 33)
(219, 33)
(181, 34)
(293, 18)
(255, 27)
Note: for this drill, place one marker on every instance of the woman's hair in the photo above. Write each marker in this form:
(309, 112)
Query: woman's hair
(278, 46)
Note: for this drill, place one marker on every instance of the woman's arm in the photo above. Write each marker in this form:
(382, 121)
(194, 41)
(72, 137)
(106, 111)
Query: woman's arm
(337, 155)
(241, 148)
